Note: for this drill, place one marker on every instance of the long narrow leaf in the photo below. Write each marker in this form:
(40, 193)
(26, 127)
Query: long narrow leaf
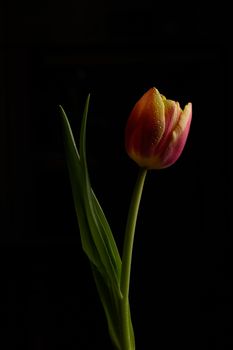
(76, 178)
(102, 235)
(96, 236)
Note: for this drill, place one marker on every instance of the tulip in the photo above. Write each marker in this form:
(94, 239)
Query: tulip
(157, 130)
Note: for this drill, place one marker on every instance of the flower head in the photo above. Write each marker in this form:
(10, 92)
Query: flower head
(157, 130)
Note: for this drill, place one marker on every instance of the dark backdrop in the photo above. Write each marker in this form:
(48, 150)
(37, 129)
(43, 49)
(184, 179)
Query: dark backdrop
(51, 54)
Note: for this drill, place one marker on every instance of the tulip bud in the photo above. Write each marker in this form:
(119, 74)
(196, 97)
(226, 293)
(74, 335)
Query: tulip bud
(157, 130)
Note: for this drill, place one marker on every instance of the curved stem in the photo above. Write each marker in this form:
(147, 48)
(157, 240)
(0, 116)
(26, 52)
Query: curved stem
(127, 335)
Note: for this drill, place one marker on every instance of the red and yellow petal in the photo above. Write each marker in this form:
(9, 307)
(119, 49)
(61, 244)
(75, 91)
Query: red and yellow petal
(177, 139)
(146, 124)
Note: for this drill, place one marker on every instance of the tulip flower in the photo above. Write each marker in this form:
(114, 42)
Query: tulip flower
(157, 130)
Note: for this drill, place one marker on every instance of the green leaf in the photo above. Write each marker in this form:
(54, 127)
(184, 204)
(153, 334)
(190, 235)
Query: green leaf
(97, 239)
(102, 235)
(76, 178)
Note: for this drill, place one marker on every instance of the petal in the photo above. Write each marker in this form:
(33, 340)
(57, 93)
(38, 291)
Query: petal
(177, 139)
(172, 114)
(146, 124)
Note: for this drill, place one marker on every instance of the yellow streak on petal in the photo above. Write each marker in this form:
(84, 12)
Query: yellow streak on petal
(172, 114)
(183, 121)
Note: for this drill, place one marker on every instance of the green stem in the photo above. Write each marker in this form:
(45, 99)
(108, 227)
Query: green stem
(127, 333)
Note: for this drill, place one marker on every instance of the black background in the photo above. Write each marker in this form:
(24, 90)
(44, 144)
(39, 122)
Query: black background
(51, 54)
